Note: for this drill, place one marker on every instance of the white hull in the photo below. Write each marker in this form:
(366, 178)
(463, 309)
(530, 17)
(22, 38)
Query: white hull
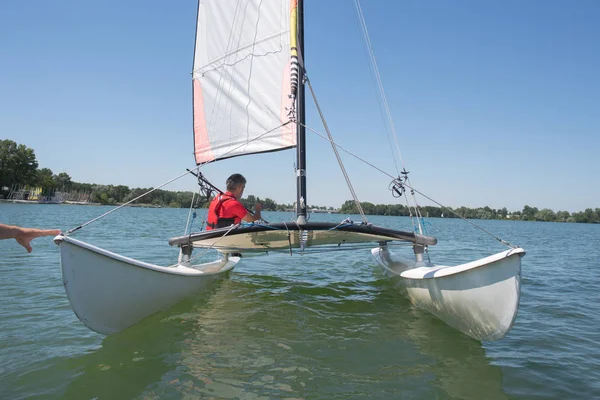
(109, 292)
(480, 298)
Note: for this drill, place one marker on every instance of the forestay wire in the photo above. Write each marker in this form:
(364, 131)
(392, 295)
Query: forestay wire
(504, 242)
(386, 109)
(337, 154)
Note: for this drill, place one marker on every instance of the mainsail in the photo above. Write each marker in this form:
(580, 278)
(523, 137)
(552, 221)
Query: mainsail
(242, 79)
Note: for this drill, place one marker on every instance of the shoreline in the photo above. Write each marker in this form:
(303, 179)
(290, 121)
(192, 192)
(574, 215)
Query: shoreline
(73, 203)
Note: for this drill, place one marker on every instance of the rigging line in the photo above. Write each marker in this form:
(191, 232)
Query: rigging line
(195, 208)
(410, 212)
(417, 216)
(337, 154)
(417, 209)
(379, 100)
(211, 246)
(246, 143)
(213, 188)
(408, 185)
(369, 45)
(347, 151)
(338, 247)
(377, 75)
(129, 202)
(504, 242)
(410, 208)
(189, 171)
(187, 224)
(397, 187)
(289, 237)
(309, 250)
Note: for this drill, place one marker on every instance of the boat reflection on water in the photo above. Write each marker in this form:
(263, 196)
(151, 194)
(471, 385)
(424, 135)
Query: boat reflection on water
(458, 363)
(258, 335)
(132, 363)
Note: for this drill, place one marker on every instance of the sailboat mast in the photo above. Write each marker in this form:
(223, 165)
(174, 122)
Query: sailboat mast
(300, 130)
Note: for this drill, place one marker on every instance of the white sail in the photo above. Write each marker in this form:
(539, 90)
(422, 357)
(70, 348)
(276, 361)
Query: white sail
(241, 79)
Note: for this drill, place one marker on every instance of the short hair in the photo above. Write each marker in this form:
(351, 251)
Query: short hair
(234, 181)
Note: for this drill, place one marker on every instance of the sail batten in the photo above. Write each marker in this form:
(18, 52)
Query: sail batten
(241, 79)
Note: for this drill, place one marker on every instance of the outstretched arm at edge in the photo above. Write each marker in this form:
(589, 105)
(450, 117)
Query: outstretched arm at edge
(24, 236)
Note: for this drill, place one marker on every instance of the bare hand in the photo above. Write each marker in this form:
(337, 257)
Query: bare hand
(26, 235)
(258, 207)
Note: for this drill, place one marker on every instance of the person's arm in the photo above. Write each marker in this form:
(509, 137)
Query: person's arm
(24, 236)
(251, 218)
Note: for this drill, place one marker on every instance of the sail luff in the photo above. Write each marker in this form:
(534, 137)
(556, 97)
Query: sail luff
(294, 47)
(241, 79)
(301, 120)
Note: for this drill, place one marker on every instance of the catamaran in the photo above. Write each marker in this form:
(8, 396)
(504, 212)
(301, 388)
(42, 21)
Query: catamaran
(249, 79)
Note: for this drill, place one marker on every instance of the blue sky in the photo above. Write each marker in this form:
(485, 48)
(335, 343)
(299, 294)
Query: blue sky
(495, 103)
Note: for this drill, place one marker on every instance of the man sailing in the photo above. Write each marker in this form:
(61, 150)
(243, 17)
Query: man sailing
(225, 209)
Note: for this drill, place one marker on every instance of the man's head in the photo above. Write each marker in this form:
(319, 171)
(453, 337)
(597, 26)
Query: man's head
(236, 184)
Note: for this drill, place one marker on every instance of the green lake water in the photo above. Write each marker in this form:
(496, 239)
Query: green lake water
(322, 326)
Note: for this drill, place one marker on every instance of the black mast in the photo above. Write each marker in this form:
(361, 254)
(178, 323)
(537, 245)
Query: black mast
(300, 130)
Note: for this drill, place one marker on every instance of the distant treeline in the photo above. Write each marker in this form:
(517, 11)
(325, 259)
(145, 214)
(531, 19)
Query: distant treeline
(527, 214)
(19, 168)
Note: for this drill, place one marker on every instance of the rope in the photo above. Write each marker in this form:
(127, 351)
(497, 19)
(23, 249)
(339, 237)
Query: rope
(347, 151)
(337, 154)
(369, 52)
(189, 171)
(504, 242)
(363, 25)
(410, 187)
(246, 143)
(346, 222)
(129, 202)
(289, 237)
(385, 104)
(187, 224)
(211, 246)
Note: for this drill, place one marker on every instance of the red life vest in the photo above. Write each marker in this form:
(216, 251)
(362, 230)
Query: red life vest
(214, 219)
